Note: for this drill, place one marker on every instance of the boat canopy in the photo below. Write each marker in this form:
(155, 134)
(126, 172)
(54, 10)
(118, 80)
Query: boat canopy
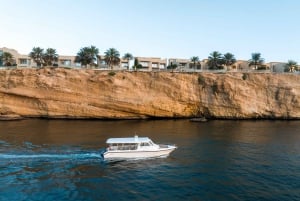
(135, 139)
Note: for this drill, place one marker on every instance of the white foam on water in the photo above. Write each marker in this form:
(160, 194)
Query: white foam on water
(46, 156)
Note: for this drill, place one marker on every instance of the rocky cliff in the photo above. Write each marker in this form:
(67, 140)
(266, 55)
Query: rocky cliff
(64, 93)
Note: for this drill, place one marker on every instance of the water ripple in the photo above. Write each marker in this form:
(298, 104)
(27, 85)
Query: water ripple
(218, 160)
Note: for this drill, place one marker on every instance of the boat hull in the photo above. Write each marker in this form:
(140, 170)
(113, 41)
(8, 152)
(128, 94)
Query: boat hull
(137, 154)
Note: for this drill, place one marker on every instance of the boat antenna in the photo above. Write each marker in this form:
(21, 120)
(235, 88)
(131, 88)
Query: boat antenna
(135, 137)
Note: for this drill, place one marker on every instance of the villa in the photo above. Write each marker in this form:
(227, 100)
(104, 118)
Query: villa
(186, 64)
(147, 63)
(152, 63)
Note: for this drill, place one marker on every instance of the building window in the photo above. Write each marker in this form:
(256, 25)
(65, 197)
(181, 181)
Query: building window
(66, 62)
(161, 66)
(154, 65)
(124, 65)
(144, 63)
(23, 61)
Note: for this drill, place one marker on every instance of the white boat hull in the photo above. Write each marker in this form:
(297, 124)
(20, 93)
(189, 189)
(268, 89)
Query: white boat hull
(137, 154)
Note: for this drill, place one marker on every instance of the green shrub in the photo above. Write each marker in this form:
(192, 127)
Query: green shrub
(201, 80)
(112, 73)
(214, 88)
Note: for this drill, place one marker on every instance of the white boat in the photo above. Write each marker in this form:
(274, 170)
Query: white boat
(135, 148)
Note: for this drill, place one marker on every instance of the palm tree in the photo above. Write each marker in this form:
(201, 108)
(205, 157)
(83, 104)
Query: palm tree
(291, 66)
(128, 57)
(95, 52)
(256, 60)
(87, 56)
(37, 55)
(7, 58)
(228, 59)
(215, 60)
(50, 56)
(112, 57)
(195, 60)
(83, 57)
(136, 64)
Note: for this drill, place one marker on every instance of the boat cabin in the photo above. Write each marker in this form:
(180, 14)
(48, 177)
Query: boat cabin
(131, 143)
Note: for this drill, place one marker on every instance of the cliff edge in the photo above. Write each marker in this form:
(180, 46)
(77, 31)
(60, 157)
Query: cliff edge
(71, 93)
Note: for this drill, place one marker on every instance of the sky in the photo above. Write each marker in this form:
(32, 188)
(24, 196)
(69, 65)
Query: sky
(155, 28)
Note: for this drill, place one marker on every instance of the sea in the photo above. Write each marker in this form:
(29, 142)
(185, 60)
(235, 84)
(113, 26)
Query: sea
(49, 160)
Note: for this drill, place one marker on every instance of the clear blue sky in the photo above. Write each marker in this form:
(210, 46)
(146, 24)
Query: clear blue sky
(155, 28)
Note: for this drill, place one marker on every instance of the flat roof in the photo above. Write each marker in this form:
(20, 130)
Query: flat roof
(127, 140)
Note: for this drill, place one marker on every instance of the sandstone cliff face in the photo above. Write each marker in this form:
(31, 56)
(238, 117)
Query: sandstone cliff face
(63, 93)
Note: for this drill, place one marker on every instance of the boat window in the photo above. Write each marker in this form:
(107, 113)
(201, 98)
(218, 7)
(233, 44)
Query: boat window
(133, 147)
(113, 146)
(125, 146)
(145, 144)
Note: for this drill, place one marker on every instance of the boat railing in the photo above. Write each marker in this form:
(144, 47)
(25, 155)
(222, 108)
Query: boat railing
(164, 146)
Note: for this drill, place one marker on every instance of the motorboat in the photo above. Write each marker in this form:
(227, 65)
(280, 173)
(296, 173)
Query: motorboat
(135, 148)
(200, 119)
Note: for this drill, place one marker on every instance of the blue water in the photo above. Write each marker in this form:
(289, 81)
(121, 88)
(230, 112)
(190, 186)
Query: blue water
(216, 160)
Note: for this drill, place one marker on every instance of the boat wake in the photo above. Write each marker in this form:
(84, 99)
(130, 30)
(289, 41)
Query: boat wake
(51, 156)
(28, 151)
